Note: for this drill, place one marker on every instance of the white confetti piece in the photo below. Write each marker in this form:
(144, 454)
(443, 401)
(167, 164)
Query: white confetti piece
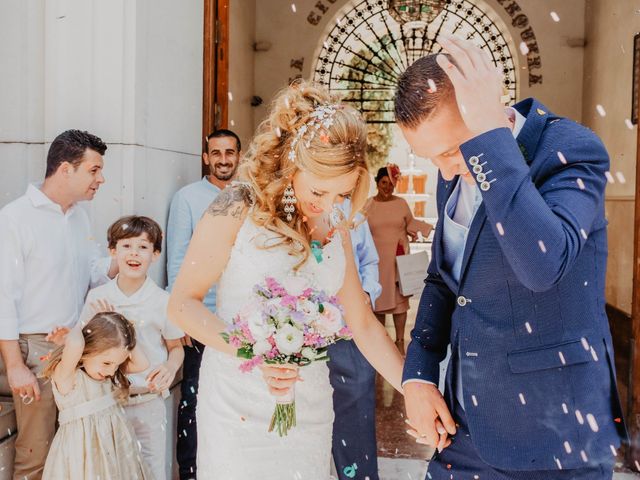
(555, 16)
(580, 183)
(500, 229)
(474, 400)
(542, 246)
(584, 341)
(583, 233)
(562, 360)
(583, 455)
(232, 123)
(567, 447)
(594, 354)
(528, 327)
(620, 177)
(432, 86)
(601, 110)
(609, 177)
(628, 123)
(524, 49)
(565, 409)
(522, 400)
(558, 464)
(579, 417)
(293, 8)
(613, 450)
(591, 420)
(562, 158)
(230, 95)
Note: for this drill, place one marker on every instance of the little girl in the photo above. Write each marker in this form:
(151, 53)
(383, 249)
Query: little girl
(88, 376)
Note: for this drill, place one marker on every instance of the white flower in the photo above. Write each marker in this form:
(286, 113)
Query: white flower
(289, 339)
(295, 285)
(258, 327)
(330, 321)
(261, 347)
(307, 307)
(309, 353)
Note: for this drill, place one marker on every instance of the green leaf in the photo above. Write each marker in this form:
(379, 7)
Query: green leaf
(245, 352)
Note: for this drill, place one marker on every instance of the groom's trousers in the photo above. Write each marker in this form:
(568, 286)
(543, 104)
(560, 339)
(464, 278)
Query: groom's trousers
(187, 443)
(354, 403)
(461, 461)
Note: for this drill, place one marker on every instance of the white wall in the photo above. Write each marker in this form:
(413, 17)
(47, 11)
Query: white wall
(610, 28)
(130, 72)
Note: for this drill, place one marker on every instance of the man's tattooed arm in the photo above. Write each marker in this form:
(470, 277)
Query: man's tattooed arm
(232, 201)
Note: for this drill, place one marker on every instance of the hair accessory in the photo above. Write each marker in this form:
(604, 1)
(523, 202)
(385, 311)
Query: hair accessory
(289, 199)
(322, 116)
(394, 173)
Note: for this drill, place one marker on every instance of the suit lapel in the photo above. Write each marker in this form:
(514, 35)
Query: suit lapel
(472, 238)
(447, 189)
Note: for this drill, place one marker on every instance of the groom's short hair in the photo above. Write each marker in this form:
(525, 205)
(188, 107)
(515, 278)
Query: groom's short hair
(416, 99)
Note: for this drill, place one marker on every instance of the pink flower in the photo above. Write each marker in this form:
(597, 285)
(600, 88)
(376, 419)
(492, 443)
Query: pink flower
(235, 341)
(249, 365)
(288, 301)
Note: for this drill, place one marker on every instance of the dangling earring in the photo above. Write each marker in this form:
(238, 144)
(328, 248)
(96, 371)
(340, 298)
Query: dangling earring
(289, 199)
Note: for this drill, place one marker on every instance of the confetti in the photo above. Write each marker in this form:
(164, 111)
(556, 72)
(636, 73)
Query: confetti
(565, 409)
(591, 420)
(609, 177)
(562, 360)
(500, 229)
(230, 95)
(613, 450)
(628, 123)
(620, 177)
(432, 86)
(278, 132)
(559, 464)
(522, 400)
(561, 157)
(585, 343)
(594, 354)
(580, 183)
(542, 246)
(232, 122)
(637, 465)
(293, 8)
(555, 16)
(474, 400)
(583, 455)
(579, 417)
(583, 233)
(601, 110)
(528, 327)
(567, 447)
(524, 49)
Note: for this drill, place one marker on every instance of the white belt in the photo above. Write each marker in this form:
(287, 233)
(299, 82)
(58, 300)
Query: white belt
(87, 408)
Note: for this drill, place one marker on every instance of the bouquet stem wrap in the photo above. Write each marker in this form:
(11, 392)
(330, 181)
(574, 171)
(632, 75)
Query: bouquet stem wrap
(284, 415)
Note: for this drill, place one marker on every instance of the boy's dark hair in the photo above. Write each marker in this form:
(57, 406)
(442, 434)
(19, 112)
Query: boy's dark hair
(219, 134)
(416, 99)
(69, 147)
(134, 226)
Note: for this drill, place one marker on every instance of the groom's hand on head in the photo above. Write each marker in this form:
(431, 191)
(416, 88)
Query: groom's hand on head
(427, 414)
(477, 83)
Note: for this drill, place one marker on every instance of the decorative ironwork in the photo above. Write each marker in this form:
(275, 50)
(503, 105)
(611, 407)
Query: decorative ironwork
(369, 48)
(404, 11)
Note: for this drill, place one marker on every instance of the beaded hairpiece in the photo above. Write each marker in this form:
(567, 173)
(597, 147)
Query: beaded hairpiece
(322, 116)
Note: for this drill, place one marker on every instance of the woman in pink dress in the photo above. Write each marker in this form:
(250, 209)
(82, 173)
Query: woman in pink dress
(392, 223)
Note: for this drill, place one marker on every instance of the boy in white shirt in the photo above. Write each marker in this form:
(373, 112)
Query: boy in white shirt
(136, 242)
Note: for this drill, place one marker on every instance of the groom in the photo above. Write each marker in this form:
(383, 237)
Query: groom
(516, 282)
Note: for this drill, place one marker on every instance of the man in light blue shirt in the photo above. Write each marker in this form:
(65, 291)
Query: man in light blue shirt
(353, 379)
(222, 156)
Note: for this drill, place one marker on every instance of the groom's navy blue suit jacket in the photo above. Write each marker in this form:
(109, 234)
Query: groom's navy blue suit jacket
(528, 315)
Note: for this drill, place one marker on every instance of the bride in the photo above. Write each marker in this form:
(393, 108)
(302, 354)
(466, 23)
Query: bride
(310, 154)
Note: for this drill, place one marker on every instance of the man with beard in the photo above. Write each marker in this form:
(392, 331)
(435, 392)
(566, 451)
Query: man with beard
(222, 155)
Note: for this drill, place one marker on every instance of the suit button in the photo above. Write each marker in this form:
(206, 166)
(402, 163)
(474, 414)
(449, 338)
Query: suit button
(473, 160)
(484, 186)
(481, 177)
(462, 301)
(477, 169)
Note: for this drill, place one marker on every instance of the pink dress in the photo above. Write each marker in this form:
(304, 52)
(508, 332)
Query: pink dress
(390, 223)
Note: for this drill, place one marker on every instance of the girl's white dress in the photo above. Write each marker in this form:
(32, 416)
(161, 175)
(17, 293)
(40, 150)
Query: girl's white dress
(234, 408)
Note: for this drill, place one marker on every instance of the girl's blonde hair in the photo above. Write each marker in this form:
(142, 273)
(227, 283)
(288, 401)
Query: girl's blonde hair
(104, 331)
(336, 149)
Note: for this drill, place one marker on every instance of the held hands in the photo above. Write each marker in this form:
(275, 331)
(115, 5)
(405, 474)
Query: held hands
(477, 83)
(160, 378)
(280, 378)
(427, 415)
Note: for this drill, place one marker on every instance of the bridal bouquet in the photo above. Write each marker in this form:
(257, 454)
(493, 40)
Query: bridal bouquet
(286, 323)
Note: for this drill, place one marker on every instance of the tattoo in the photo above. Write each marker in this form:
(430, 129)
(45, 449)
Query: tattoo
(232, 201)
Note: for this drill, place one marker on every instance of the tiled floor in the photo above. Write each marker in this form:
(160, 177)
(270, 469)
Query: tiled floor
(401, 458)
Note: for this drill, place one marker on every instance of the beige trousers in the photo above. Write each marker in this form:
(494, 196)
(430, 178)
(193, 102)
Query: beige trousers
(36, 422)
(149, 421)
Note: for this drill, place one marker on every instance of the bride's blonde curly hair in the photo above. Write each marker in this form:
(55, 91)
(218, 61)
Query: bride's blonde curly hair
(336, 150)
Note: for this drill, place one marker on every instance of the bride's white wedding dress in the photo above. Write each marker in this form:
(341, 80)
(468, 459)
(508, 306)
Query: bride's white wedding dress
(234, 408)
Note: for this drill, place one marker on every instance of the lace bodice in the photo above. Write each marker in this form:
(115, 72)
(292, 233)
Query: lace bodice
(249, 264)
